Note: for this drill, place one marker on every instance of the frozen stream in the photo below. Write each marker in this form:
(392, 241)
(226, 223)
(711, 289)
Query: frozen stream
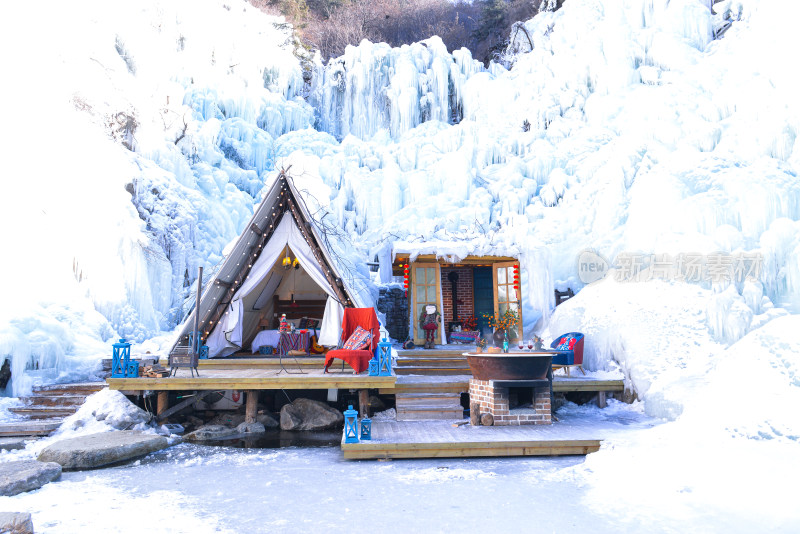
(192, 488)
(195, 488)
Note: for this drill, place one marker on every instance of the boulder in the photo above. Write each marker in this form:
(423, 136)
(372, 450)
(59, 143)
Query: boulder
(251, 428)
(26, 475)
(97, 450)
(376, 404)
(267, 420)
(16, 522)
(231, 419)
(111, 407)
(210, 433)
(13, 444)
(5, 373)
(307, 414)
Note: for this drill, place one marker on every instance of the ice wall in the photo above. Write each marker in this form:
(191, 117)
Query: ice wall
(165, 135)
(375, 87)
(622, 127)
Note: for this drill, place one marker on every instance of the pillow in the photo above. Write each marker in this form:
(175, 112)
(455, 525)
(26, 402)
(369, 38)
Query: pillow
(358, 340)
(566, 343)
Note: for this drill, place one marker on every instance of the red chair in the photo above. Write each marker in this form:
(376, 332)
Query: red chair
(357, 359)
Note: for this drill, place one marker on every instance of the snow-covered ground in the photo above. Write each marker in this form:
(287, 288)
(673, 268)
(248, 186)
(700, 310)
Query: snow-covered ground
(219, 489)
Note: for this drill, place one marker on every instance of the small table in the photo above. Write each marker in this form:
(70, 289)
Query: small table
(292, 341)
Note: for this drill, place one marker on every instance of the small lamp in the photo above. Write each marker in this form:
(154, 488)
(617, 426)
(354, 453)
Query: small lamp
(120, 359)
(366, 428)
(350, 427)
(374, 367)
(385, 358)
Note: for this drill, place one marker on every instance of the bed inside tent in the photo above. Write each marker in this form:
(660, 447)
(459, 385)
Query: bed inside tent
(297, 287)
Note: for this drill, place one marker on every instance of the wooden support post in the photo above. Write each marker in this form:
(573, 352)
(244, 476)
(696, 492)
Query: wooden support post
(162, 402)
(363, 402)
(250, 407)
(601, 399)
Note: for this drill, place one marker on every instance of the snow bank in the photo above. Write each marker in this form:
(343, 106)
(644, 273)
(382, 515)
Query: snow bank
(103, 411)
(729, 453)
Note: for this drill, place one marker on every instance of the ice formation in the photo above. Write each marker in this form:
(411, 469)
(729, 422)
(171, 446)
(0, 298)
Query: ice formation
(612, 126)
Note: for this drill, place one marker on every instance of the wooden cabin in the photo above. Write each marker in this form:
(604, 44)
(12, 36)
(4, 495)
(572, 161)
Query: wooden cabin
(476, 286)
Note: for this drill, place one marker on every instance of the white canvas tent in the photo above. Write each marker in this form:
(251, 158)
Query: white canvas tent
(240, 295)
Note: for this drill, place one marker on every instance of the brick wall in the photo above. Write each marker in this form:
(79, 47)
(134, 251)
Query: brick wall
(494, 400)
(464, 293)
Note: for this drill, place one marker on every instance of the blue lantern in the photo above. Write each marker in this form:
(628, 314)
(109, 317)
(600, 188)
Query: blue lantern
(203, 352)
(385, 358)
(374, 367)
(121, 360)
(350, 426)
(366, 428)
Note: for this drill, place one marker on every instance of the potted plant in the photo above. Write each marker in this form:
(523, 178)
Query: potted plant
(505, 323)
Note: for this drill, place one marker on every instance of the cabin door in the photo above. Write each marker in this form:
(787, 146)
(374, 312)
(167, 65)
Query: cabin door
(483, 295)
(506, 297)
(425, 278)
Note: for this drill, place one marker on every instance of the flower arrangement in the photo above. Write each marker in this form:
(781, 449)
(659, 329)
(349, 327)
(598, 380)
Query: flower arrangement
(507, 321)
(481, 343)
(468, 322)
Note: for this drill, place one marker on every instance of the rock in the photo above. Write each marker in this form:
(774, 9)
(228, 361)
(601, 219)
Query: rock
(267, 420)
(210, 433)
(97, 450)
(5, 373)
(16, 523)
(376, 404)
(110, 407)
(251, 428)
(394, 304)
(307, 414)
(231, 419)
(13, 444)
(26, 475)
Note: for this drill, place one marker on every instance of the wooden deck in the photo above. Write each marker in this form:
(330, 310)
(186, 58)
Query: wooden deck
(247, 378)
(439, 439)
(460, 384)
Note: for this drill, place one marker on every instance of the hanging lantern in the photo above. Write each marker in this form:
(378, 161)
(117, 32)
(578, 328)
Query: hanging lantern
(296, 263)
(350, 426)
(405, 279)
(287, 261)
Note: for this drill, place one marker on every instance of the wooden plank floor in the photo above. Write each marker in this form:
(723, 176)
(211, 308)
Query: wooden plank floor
(29, 428)
(252, 379)
(460, 384)
(439, 439)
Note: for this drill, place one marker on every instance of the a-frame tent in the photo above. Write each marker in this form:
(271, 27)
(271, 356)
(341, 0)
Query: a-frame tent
(239, 296)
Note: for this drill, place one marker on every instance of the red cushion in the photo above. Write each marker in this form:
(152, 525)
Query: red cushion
(358, 340)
